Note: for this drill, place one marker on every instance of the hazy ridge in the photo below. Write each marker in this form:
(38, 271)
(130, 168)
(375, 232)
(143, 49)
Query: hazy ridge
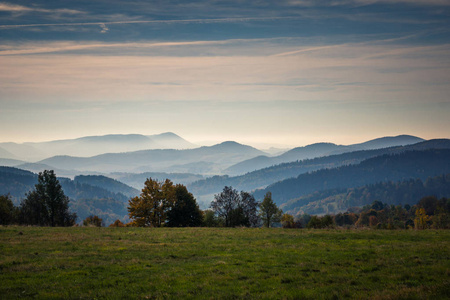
(317, 175)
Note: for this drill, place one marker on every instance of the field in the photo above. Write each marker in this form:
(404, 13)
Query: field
(219, 263)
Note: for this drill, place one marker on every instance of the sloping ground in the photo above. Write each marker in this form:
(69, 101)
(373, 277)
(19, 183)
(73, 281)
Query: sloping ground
(405, 165)
(396, 193)
(262, 178)
(319, 150)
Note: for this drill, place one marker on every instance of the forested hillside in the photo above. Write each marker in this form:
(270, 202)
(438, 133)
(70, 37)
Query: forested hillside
(397, 193)
(107, 183)
(264, 177)
(85, 199)
(137, 180)
(411, 164)
(320, 150)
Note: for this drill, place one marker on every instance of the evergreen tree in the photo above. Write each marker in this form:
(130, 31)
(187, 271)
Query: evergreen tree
(47, 205)
(270, 213)
(7, 210)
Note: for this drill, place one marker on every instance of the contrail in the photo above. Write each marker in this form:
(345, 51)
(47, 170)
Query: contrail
(149, 22)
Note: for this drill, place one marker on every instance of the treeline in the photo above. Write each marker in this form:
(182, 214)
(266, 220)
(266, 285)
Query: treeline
(162, 203)
(165, 204)
(397, 193)
(429, 212)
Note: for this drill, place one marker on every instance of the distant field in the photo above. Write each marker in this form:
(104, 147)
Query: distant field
(158, 263)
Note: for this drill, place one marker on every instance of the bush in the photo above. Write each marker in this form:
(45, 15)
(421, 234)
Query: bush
(94, 221)
(117, 223)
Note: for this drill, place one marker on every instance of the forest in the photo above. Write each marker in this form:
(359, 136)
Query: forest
(164, 204)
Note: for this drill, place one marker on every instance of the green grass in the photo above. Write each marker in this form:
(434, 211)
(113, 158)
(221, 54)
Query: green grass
(159, 263)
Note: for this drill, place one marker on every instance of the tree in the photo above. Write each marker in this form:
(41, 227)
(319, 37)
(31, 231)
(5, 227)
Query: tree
(47, 205)
(151, 207)
(185, 211)
(287, 221)
(117, 223)
(236, 209)
(314, 222)
(7, 210)
(421, 219)
(224, 203)
(93, 221)
(249, 207)
(269, 211)
(429, 204)
(327, 221)
(210, 219)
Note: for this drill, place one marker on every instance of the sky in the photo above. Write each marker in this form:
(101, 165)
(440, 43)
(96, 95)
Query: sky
(263, 73)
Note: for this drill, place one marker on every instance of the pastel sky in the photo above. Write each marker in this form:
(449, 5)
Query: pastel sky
(284, 73)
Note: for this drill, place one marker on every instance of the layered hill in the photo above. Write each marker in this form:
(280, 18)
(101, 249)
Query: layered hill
(264, 177)
(93, 145)
(17, 183)
(89, 195)
(394, 193)
(107, 183)
(218, 156)
(137, 180)
(388, 167)
(319, 150)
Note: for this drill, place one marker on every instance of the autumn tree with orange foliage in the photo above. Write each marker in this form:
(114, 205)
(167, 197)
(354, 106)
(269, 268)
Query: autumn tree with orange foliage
(151, 207)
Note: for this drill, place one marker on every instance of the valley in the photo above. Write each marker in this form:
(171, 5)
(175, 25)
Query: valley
(304, 180)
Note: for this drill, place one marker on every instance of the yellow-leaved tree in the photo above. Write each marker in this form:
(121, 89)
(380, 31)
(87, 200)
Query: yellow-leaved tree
(421, 219)
(151, 207)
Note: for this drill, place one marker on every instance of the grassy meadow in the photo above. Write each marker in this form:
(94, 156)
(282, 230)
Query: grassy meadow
(223, 263)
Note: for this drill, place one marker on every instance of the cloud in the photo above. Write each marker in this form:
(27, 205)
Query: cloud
(4, 6)
(311, 3)
(414, 2)
(57, 47)
(184, 21)
(104, 28)
(376, 72)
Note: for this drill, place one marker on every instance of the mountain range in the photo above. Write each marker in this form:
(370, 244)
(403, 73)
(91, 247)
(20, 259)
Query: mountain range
(388, 167)
(213, 158)
(318, 150)
(93, 145)
(113, 155)
(264, 177)
(103, 183)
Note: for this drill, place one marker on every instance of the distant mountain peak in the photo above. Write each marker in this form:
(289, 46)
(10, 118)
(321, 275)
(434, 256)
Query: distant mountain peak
(230, 143)
(168, 134)
(233, 145)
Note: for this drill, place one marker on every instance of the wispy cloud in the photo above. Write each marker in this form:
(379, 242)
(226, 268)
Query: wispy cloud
(375, 71)
(311, 3)
(218, 20)
(415, 2)
(55, 47)
(4, 6)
